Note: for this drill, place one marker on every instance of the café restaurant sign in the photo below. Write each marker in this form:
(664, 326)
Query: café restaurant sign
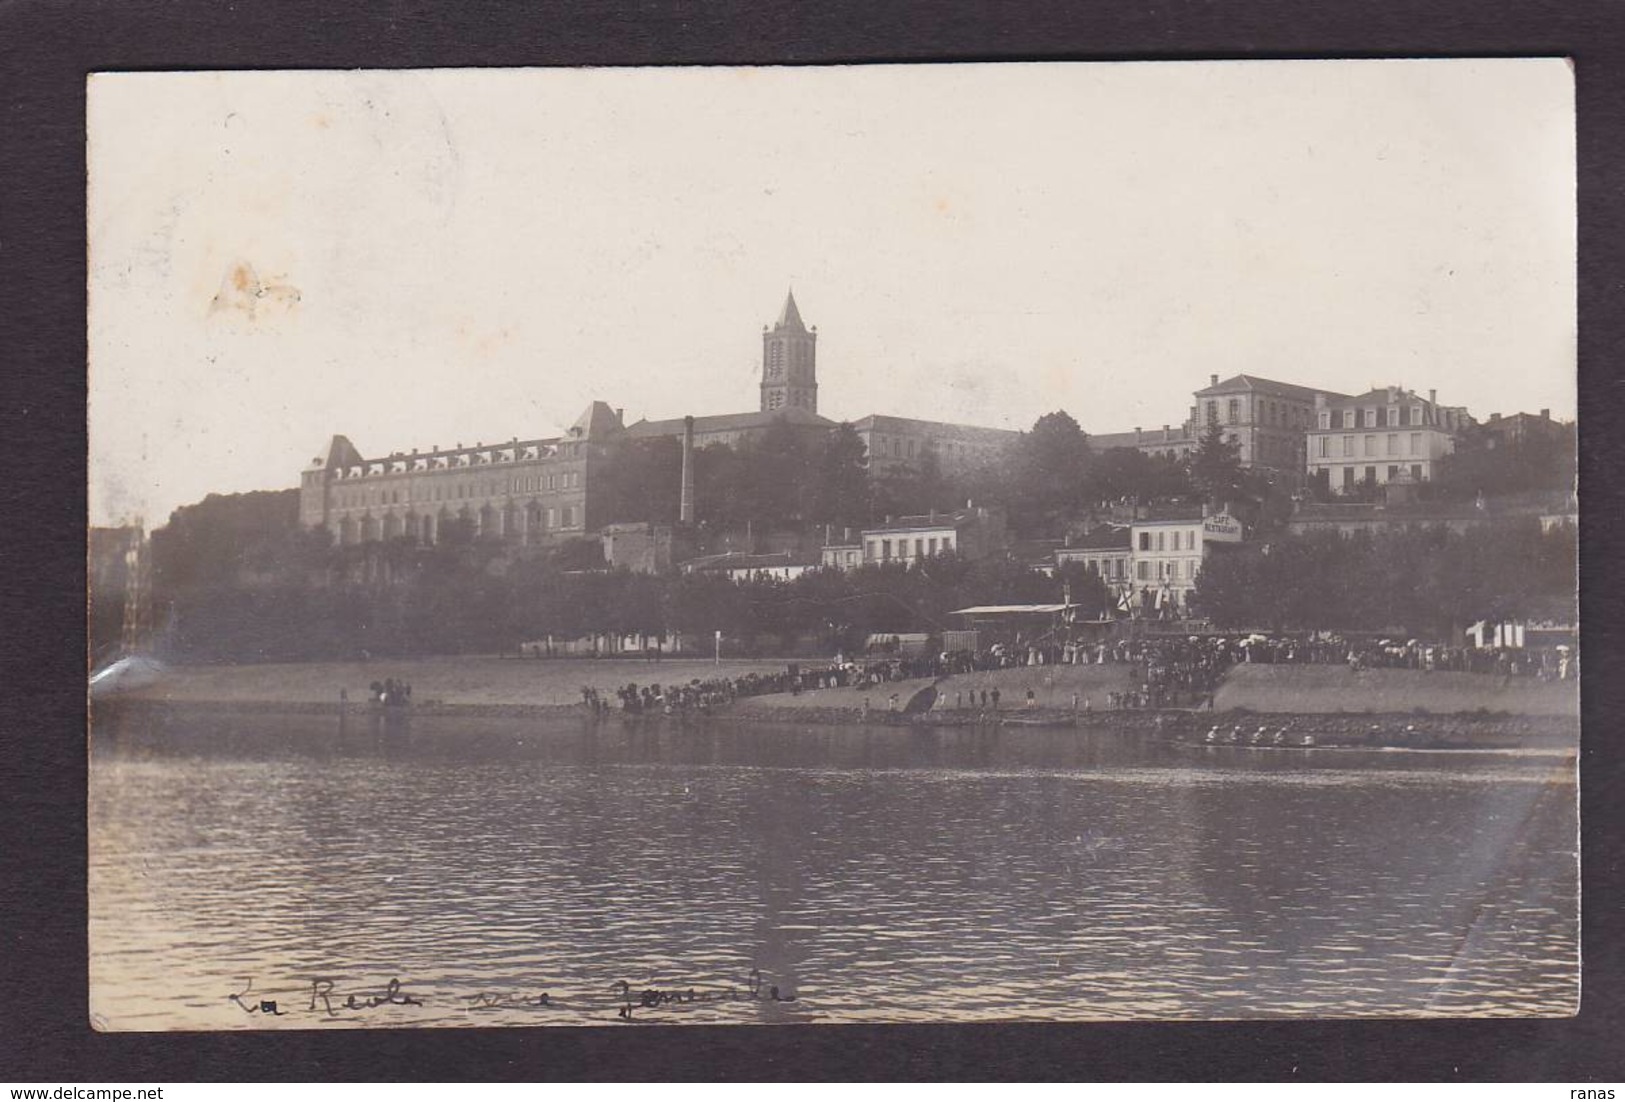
(1221, 528)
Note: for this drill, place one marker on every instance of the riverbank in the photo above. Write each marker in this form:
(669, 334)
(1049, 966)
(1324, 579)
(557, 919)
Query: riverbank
(452, 683)
(1333, 702)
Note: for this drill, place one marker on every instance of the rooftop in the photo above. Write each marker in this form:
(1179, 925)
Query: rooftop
(741, 560)
(931, 520)
(885, 422)
(1251, 383)
(731, 422)
(789, 316)
(1009, 610)
(1108, 537)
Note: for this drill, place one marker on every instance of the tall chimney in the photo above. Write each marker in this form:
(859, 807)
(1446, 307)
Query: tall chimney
(1212, 380)
(685, 508)
(1546, 415)
(1433, 397)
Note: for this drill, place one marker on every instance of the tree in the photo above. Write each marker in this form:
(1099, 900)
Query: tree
(1049, 467)
(1484, 462)
(641, 481)
(1120, 474)
(1215, 467)
(840, 490)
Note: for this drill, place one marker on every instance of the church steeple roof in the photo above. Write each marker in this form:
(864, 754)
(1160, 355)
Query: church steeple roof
(790, 317)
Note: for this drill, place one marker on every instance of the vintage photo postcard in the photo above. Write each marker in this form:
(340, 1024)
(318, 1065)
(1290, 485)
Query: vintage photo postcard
(935, 543)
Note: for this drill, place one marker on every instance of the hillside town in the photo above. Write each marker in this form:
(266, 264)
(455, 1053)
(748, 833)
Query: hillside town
(778, 530)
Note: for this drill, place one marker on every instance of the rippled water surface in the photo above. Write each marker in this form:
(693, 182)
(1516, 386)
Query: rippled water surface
(873, 875)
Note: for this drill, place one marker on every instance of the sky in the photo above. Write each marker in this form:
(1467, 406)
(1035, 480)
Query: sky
(432, 257)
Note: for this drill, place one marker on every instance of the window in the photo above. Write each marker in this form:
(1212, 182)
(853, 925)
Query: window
(1370, 445)
(919, 549)
(1348, 447)
(1371, 474)
(1324, 449)
(931, 546)
(1393, 472)
(885, 550)
(1145, 541)
(1416, 443)
(569, 515)
(1393, 443)
(1416, 472)
(1161, 540)
(1145, 571)
(911, 449)
(1235, 410)
(1325, 423)
(1348, 478)
(1213, 411)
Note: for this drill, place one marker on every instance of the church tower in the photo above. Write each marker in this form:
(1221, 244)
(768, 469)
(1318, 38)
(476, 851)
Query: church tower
(789, 357)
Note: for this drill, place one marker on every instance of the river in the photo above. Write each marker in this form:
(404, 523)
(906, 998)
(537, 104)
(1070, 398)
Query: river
(454, 872)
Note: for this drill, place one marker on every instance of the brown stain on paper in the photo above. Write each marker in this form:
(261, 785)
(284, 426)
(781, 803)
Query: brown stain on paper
(243, 291)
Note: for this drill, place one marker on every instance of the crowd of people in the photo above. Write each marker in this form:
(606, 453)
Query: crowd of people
(703, 695)
(1167, 671)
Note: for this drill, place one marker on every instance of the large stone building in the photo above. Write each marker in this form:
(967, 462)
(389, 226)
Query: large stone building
(1267, 420)
(898, 444)
(1523, 429)
(523, 490)
(527, 491)
(1384, 435)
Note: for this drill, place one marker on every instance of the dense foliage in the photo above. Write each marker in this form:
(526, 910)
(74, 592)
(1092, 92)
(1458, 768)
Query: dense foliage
(396, 598)
(1424, 581)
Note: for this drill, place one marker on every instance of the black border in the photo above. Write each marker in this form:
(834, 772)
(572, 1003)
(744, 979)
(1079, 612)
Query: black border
(46, 49)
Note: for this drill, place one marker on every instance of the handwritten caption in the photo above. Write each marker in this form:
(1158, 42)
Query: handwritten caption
(324, 997)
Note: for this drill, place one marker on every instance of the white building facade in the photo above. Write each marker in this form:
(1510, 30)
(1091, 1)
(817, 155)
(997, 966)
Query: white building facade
(1382, 436)
(1166, 555)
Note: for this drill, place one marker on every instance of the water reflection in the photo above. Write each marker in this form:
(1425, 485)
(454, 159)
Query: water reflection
(877, 874)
